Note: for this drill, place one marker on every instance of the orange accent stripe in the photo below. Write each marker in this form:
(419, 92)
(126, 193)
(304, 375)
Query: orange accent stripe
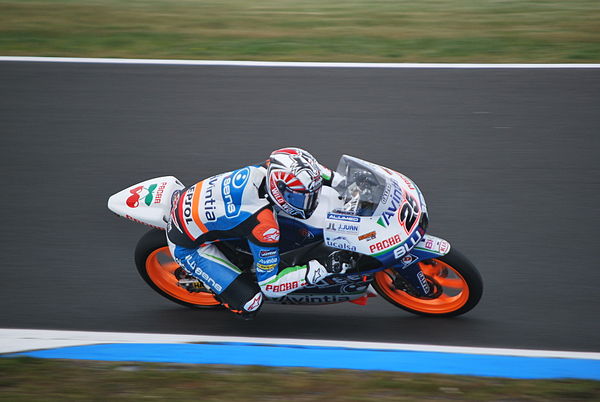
(195, 209)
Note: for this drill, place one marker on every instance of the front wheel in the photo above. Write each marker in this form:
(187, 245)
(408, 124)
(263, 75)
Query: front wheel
(456, 282)
(157, 267)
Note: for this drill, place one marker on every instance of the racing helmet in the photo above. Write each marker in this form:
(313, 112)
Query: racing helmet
(294, 181)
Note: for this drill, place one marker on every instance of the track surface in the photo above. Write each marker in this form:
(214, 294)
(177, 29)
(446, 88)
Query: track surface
(507, 160)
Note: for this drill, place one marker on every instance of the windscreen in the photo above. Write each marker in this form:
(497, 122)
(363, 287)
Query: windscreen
(362, 186)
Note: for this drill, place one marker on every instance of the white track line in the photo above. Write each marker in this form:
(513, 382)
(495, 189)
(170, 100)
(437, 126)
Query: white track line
(19, 340)
(295, 64)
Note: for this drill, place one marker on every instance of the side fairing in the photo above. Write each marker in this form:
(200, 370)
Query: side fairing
(333, 289)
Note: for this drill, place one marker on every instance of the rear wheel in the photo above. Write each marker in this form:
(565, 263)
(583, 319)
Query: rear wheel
(456, 283)
(157, 267)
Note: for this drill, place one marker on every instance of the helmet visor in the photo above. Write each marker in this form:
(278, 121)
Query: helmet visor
(305, 201)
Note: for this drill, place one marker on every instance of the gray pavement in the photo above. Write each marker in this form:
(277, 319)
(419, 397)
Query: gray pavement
(507, 160)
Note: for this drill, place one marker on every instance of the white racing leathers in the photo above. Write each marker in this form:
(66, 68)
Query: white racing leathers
(233, 206)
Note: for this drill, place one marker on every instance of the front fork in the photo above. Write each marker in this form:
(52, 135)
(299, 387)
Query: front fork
(411, 278)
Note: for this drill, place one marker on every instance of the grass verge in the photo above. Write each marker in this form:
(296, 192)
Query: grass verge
(306, 30)
(28, 379)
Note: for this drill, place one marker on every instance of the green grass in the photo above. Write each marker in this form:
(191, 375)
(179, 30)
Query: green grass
(306, 30)
(26, 379)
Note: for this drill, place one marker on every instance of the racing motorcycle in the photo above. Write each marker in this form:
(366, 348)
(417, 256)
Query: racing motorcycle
(374, 216)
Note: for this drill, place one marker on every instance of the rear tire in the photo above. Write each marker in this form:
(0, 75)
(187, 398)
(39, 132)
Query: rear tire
(156, 266)
(458, 283)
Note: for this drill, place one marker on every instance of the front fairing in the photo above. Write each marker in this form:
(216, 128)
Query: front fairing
(384, 216)
(384, 213)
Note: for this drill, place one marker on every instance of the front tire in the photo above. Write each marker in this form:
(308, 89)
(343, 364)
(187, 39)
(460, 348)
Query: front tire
(158, 269)
(457, 282)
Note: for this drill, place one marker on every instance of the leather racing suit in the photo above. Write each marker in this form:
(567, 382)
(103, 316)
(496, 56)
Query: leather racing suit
(234, 205)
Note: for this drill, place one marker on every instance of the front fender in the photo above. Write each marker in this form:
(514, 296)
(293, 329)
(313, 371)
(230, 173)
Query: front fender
(430, 247)
(407, 267)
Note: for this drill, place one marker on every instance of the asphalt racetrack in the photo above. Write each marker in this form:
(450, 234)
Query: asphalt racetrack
(507, 160)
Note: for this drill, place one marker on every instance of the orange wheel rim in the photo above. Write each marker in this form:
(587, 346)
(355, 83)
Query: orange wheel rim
(160, 267)
(454, 288)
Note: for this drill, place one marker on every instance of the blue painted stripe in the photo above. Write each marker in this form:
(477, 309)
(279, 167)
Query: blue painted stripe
(333, 358)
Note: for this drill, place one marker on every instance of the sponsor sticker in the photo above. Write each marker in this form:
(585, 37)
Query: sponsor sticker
(267, 253)
(133, 201)
(403, 203)
(423, 282)
(385, 244)
(386, 193)
(203, 276)
(399, 252)
(407, 181)
(209, 199)
(437, 246)
(311, 299)
(342, 217)
(284, 287)
(277, 194)
(343, 227)
(232, 190)
(187, 205)
(340, 242)
(408, 259)
(159, 192)
(264, 267)
(368, 236)
(444, 246)
(395, 201)
(268, 261)
(388, 171)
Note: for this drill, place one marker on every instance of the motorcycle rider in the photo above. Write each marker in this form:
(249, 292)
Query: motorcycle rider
(245, 204)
